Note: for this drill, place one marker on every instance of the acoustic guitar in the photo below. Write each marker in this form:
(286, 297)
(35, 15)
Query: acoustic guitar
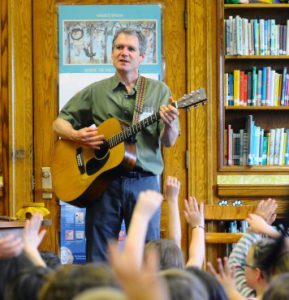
(81, 174)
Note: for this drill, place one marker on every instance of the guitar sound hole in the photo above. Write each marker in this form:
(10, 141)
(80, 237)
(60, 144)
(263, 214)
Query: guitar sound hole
(102, 152)
(100, 158)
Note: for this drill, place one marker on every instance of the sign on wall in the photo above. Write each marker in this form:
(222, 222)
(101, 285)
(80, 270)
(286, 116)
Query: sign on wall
(85, 42)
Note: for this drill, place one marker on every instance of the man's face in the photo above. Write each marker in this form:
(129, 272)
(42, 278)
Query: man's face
(126, 55)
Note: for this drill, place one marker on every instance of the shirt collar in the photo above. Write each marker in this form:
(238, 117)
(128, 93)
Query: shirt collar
(117, 83)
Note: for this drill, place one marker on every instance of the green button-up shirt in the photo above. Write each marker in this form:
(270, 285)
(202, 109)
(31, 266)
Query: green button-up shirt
(109, 98)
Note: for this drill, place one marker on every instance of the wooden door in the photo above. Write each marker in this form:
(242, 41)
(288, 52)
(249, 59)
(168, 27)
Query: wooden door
(45, 93)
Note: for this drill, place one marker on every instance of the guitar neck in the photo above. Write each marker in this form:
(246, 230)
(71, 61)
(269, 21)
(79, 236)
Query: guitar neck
(133, 130)
(192, 99)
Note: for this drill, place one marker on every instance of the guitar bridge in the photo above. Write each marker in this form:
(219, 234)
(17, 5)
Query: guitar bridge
(79, 160)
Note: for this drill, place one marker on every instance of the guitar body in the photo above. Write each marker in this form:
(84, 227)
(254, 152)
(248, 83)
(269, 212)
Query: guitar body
(80, 175)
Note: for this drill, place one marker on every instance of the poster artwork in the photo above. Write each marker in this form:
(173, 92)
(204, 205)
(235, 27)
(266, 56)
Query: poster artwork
(89, 42)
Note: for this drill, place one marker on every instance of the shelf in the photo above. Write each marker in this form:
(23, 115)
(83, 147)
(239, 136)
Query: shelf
(227, 213)
(253, 190)
(255, 6)
(222, 237)
(255, 169)
(256, 108)
(277, 57)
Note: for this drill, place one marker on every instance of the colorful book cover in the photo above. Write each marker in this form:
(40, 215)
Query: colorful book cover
(236, 87)
(264, 86)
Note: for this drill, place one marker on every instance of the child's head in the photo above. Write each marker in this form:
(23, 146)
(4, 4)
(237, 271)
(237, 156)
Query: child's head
(170, 254)
(266, 258)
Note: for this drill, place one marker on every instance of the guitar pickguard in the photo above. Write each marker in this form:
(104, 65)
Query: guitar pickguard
(100, 158)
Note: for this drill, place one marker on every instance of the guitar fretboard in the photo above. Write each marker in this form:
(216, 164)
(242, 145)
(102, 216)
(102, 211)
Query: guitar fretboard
(133, 130)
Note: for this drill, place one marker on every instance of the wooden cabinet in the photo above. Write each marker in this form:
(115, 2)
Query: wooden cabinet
(240, 178)
(254, 104)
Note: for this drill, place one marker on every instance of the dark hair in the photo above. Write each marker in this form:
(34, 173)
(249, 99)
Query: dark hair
(26, 284)
(10, 267)
(69, 280)
(170, 254)
(137, 33)
(183, 285)
(271, 256)
(278, 288)
(213, 286)
(51, 259)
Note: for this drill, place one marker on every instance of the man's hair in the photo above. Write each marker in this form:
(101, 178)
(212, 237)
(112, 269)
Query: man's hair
(137, 33)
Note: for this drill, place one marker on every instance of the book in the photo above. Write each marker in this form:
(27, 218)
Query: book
(250, 132)
(236, 87)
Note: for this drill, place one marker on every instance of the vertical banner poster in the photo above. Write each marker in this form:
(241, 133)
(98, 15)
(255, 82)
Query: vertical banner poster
(85, 45)
(85, 42)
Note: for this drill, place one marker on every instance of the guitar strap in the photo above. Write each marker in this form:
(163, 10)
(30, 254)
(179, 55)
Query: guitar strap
(139, 99)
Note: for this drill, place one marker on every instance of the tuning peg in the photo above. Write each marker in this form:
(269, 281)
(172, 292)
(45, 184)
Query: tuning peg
(204, 103)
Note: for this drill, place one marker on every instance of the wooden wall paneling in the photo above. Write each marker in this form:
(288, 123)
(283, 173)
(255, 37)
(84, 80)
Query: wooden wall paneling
(174, 35)
(202, 123)
(45, 87)
(45, 58)
(4, 105)
(20, 104)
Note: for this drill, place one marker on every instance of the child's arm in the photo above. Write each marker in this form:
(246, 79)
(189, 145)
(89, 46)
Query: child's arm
(172, 190)
(194, 215)
(147, 204)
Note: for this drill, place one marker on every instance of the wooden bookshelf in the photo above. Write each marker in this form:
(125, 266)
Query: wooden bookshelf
(256, 6)
(267, 117)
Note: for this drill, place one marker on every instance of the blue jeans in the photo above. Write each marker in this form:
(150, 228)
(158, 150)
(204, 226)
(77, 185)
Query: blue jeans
(105, 215)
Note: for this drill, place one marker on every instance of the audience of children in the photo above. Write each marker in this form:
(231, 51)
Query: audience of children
(256, 269)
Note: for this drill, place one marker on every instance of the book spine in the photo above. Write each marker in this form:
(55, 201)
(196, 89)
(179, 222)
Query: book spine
(230, 145)
(230, 89)
(287, 148)
(272, 147)
(259, 87)
(265, 150)
(262, 31)
(226, 89)
(264, 85)
(236, 87)
(256, 37)
(250, 132)
(254, 86)
(287, 37)
(283, 89)
(249, 88)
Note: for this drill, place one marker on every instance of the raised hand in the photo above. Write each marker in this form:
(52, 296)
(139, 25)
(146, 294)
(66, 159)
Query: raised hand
(225, 275)
(134, 278)
(148, 203)
(194, 213)
(260, 226)
(32, 239)
(31, 235)
(267, 210)
(10, 246)
(172, 189)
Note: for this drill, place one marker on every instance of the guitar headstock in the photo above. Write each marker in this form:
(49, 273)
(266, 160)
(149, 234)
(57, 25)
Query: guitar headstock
(192, 99)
